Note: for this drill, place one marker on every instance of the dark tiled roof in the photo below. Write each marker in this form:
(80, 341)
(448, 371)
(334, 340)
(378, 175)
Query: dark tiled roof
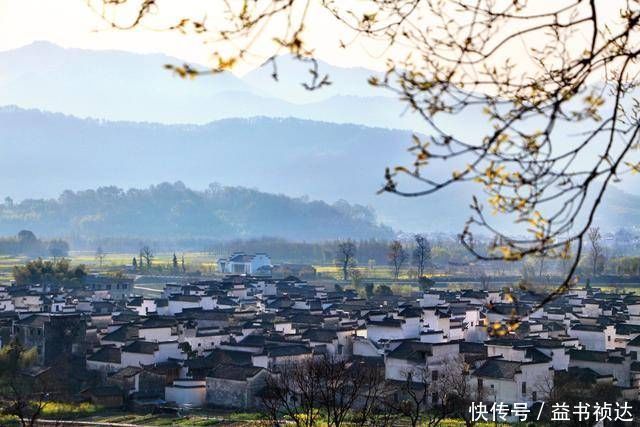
(241, 258)
(410, 312)
(587, 328)
(320, 335)
(593, 356)
(286, 350)
(143, 347)
(473, 347)
(35, 320)
(537, 356)
(234, 372)
(582, 375)
(635, 342)
(126, 372)
(413, 351)
(106, 355)
(122, 334)
(158, 322)
(220, 356)
(386, 322)
(502, 369)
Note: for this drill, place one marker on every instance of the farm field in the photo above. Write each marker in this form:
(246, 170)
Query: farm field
(201, 261)
(6, 268)
(205, 264)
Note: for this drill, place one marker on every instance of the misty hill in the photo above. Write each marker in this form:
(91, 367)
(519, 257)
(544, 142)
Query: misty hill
(119, 85)
(175, 211)
(44, 154)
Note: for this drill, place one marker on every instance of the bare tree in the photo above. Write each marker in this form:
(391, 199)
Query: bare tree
(421, 253)
(373, 406)
(147, 255)
(597, 250)
(422, 397)
(21, 397)
(561, 120)
(564, 387)
(397, 256)
(100, 255)
(346, 256)
(456, 389)
(340, 385)
(293, 392)
(335, 387)
(413, 395)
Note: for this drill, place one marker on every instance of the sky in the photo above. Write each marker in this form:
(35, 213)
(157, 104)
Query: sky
(78, 24)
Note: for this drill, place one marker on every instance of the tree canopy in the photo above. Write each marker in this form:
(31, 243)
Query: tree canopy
(58, 272)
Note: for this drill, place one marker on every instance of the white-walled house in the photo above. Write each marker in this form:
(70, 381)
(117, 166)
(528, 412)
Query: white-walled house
(204, 339)
(177, 303)
(140, 353)
(604, 363)
(507, 381)
(105, 359)
(6, 304)
(241, 263)
(158, 330)
(280, 355)
(142, 306)
(413, 357)
(363, 346)
(633, 308)
(390, 328)
(594, 337)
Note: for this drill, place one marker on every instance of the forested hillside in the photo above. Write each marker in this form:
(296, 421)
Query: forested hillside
(168, 211)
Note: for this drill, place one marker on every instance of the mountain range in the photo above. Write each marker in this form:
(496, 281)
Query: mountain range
(46, 153)
(117, 85)
(120, 119)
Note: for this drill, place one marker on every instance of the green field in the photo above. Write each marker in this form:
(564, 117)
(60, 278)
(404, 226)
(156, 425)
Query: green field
(200, 261)
(6, 268)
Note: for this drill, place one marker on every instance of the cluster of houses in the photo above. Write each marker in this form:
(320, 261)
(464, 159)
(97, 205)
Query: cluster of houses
(214, 343)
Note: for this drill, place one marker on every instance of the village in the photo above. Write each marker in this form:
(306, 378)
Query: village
(226, 343)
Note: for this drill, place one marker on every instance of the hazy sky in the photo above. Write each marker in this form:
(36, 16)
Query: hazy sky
(73, 23)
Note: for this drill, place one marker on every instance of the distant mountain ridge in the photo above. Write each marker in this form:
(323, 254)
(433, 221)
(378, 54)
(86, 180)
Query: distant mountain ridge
(45, 153)
(171, 211)
(117, 85)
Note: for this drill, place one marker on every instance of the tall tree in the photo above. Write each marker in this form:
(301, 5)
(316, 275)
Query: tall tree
(597, 250)
(134, 263)
(346, 256)
(146, 254)
(58, 248)
(175, 262)
(20, 396)
(100, 255)
(421, 253)
(397, 256)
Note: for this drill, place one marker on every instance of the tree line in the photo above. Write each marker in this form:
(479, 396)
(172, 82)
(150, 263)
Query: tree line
(396, 253)
(26, 243)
